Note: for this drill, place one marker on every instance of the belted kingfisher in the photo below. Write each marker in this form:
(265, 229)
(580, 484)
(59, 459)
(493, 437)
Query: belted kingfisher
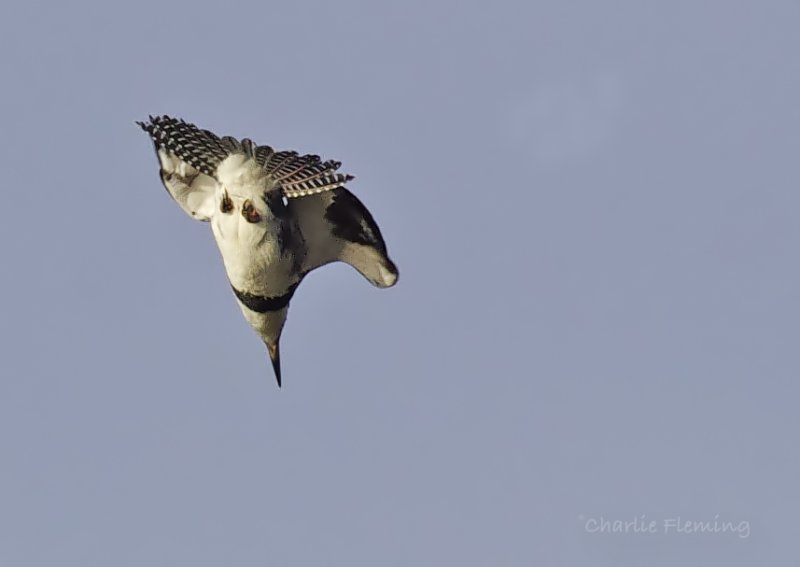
(275, 215)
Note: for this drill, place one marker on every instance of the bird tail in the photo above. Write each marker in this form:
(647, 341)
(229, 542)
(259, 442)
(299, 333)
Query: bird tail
(300, 176)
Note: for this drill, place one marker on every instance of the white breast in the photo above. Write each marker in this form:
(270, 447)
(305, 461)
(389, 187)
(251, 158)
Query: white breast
(250, 251)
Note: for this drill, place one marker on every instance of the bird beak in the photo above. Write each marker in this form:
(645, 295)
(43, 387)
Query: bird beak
(275, 356)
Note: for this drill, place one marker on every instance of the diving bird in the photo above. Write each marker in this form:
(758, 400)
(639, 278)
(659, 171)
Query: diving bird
(275, 215)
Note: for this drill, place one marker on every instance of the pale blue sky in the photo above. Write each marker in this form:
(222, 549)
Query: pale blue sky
(593, 207)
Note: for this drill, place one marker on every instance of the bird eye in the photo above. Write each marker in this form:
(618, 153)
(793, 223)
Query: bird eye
(226, 205)
(250, 213)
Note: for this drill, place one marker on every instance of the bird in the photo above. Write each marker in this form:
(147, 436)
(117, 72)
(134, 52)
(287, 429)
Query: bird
(275, 216)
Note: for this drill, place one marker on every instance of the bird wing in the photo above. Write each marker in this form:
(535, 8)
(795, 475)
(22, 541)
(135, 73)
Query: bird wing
(336, 226)
(189, 158)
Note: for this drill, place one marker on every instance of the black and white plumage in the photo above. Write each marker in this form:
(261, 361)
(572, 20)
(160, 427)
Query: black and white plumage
(275, 217)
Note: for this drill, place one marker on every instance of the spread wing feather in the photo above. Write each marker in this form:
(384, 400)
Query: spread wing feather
(336, 226)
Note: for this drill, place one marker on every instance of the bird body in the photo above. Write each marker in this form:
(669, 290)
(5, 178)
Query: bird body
(252, 249)
(275, 217)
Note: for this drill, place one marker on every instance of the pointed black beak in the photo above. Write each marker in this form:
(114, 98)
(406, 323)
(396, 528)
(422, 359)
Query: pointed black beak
(275, 356)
